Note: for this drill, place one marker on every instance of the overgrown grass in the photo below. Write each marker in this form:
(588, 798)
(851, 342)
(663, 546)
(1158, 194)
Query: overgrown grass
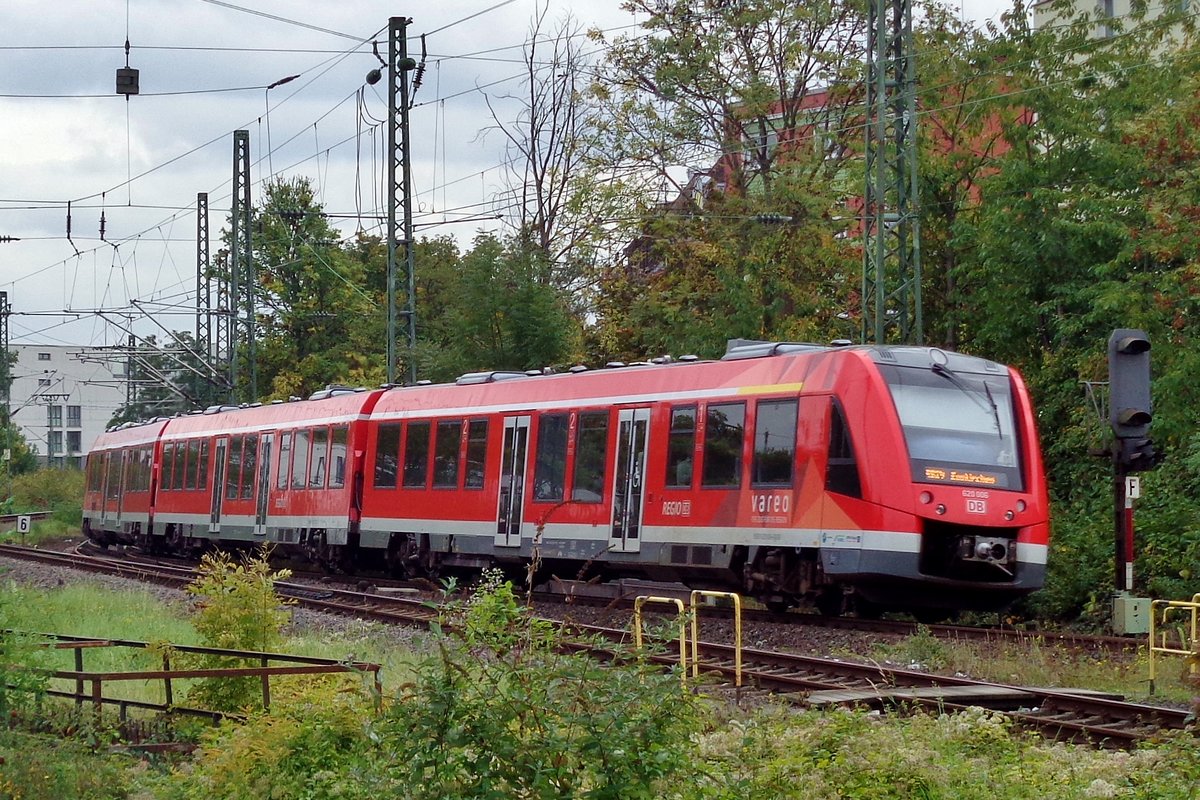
(455, 707)
(1032, 661)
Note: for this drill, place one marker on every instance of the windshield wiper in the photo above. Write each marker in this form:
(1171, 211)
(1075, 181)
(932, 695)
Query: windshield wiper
(973, 393)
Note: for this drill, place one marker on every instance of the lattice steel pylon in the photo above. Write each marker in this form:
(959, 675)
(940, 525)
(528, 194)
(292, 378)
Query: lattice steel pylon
(400, 231)
(891, 281)
(241, 264)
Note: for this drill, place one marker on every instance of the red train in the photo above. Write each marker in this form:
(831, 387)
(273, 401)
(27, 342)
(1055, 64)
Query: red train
(903, 478)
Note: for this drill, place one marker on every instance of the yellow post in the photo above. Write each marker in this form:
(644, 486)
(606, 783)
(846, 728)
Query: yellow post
(737, 632)
(1161, 611)
(637, 628)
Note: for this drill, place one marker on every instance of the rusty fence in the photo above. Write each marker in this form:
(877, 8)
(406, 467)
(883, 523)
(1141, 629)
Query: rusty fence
(89, 686)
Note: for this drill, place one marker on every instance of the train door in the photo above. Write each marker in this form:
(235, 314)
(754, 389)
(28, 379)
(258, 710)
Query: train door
(512, 482)
(262, 483)
(110, 492)
(218, 485)
(628, 484)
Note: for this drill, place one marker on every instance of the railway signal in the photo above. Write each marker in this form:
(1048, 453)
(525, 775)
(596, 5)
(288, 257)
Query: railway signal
(1130, 408)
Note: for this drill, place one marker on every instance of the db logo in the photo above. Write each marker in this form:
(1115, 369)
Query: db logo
(977, 506)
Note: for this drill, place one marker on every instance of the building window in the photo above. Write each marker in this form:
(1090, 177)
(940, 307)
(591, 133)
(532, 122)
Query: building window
(43, 381)
(55, 442)
(74, 441)
(74, 417)
(43, 356)
(54, 415)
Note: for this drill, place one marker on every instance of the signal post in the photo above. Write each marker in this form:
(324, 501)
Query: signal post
(1130, 414)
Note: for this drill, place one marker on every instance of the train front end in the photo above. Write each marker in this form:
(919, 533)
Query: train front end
(965, 467)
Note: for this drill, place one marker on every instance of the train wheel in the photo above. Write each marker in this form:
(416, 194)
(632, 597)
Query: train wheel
(831, 602)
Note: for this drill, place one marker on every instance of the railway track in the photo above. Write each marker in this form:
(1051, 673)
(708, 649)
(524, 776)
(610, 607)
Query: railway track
(808, 680)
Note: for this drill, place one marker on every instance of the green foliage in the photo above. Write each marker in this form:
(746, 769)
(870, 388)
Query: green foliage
(57, 490)
(36, 767)
(21, 689)
(237, 610)
(507, 716)
(313, 744)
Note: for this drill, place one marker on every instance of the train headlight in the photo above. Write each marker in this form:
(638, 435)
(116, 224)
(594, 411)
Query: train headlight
(1021, 505)
(941, 509)
(926, 498)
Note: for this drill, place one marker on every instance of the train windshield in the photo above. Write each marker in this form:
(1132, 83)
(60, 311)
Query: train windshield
(959, 426)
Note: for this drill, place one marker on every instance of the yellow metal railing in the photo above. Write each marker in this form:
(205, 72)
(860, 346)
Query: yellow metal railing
(737, 632)
(1176, 616)
(637, 628)
(695, 616)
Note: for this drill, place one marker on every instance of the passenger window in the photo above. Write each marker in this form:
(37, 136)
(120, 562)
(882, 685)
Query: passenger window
(337, 457)
(233, 467)
(725, 426)
(591, 449)
(416, 455)
(445, 457)
(477, 436)
(285, 460)
(249, 465)
(193, 464)
(168, 460)
(774, 443)
(320, 456)
(387, 453)
(550, 470)
(179, 467)
(300, 460)
(681, 447)
(842, 475)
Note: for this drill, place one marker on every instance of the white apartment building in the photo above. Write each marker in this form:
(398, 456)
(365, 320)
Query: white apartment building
(63, 396)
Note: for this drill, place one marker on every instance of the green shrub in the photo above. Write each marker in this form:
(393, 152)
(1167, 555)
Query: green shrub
(237, 610)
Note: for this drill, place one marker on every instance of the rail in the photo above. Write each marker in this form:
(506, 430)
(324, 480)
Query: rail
(1186, 643)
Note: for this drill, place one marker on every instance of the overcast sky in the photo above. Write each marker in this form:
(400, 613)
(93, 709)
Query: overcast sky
(66, 136)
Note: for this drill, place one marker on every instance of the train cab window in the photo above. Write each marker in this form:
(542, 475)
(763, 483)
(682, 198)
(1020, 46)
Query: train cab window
(285, 460)
(725, 426)
(387, 453)
(193, 464)
(300, 460)
(445, 453)
(416, 455)
(320, 458)
(591, 451)
(477, 438)
(337, 457)
(842, 475)
(774, 443)
(681, 447)
(249, 463)
(233, 467)
(550, 469)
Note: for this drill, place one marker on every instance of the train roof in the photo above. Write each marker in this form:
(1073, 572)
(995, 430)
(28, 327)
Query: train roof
(331, 405)
(131, 434)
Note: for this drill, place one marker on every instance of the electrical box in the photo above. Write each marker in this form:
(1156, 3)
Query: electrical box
(1131, 615)
(127, 81)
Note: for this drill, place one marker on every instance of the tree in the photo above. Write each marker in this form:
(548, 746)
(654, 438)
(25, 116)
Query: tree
(311, 299)
(494, 308)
